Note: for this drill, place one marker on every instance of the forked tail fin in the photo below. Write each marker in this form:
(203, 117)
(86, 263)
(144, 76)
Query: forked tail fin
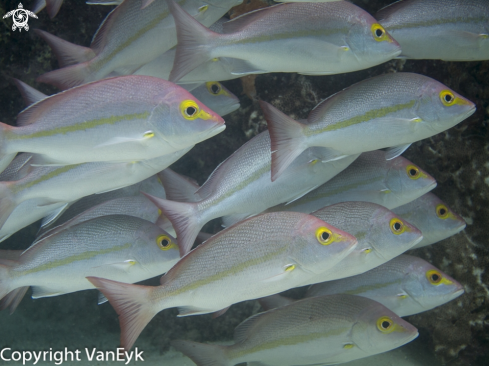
(193, 42)
(133, 305)
(286, 136)
(185, 218)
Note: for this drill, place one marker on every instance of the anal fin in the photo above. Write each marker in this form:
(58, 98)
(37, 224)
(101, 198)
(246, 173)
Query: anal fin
(395, 151)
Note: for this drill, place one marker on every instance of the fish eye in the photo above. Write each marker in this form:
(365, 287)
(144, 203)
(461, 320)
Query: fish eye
(385, 324)
(379, 33)
(447, 98)
(324, 236)
(214, 87)
(189, 109)
(397, 226)
(442, 211)
(434, 277)
(413, 172)
(164, 242)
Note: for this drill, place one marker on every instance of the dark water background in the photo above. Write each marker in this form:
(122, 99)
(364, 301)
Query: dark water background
(457, 333)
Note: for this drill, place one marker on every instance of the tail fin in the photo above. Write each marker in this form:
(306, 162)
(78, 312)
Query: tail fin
(193, 43)
(38, 6)
(67, 77)
(7, 202)
(203, 354)
(274, 301)
(184, 218)
(52, 7)
(287, 138)
(133, 305)
(67, 53)
(179, 187)
(13, 299)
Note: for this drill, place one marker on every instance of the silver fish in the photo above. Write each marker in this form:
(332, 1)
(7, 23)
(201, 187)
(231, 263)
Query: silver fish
(390, 110)
(217, 97)
(450, 30)
(309, 38)
(406, 285)
(120, 119)
(71, 182)
(130, 37)
(136, 206)
(381, 235)
(123, 248)
(325, 330)
(433, 217)
(370, 178)
(151, 185)
(242, 185)
(257, 257)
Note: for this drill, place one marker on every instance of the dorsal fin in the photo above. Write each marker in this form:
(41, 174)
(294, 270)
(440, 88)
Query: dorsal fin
(29, 94)
(243, 20)
(99, 38)
(243, 330)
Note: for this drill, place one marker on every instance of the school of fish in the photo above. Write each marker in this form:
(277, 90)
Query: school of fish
(312, 203)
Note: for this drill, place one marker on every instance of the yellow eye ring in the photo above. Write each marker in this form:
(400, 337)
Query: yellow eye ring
(397, 226)
(324, 236)
(442, 211)
(164, 242)
(434, 277)
(413, 172)
(379, 33)
(385, 325)
(190, 109)
(214, 88)
(447, 98)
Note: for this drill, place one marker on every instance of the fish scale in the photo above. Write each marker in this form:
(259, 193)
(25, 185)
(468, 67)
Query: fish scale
(262, 255)
(323, 330)
(370, 178)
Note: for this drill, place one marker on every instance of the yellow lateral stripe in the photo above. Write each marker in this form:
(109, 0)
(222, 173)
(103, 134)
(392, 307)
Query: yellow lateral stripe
(80, 126)
(19, 187)
(368, 116)
(75, 258)
(225, 273)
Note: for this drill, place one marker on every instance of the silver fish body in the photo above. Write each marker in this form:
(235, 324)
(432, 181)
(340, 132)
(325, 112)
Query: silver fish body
(132, 36)
(381, 235)
(406, 285)
(71, 182)
(320, 331)
(120, 247)
(433, 217)
(242, 185)
(450, 30)
(310, 38)
(262, 255)
(370, 178)
(217, 97)
(151, 185)
(120, 119)
(136, 206)
(387, 111)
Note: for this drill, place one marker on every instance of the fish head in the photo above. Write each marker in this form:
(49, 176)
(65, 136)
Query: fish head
(429, 286)
(390, 235)
(439, 221)
(440, 108)
(316, 246)
(370, 43)
(378, 329)
(405, 181)
(179, 117)
(156, 246)
(217, 97)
